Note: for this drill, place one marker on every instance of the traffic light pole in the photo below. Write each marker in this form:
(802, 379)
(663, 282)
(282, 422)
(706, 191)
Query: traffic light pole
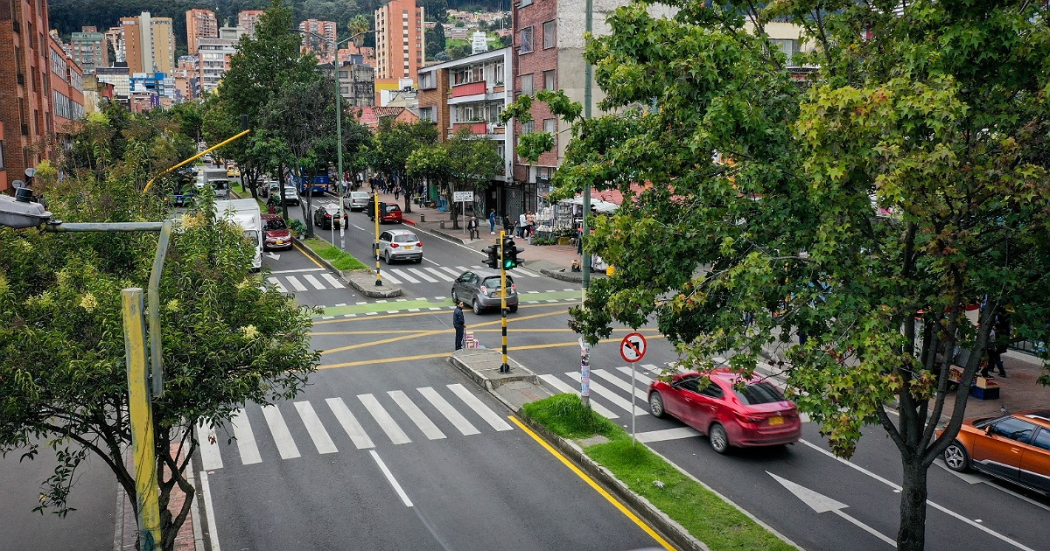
(505, 367)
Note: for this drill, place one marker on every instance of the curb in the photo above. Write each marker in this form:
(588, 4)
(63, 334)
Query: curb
(355, 279)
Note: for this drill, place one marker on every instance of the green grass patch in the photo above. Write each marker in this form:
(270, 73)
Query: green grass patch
(338, 258)
(703, 514)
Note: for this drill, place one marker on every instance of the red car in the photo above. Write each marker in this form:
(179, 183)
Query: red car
(275, 232)
(732, 411)
(388, 213)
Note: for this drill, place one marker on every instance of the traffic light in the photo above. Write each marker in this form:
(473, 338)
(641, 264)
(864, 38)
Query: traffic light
(493, 257)
(510, 254)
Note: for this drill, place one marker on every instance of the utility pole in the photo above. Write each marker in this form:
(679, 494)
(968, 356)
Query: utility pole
(505, 366)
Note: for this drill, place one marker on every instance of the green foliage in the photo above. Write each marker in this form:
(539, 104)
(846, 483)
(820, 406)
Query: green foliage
(565, 415)
(341, 260)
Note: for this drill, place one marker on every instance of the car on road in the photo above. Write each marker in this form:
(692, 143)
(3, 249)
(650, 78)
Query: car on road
(1014, 447)
(397, 245)
(324, 214)
(389, 213)
(275, 232)
(269, 189)
(357, 200)
(480, 289)
(291, 195)
(731, 410)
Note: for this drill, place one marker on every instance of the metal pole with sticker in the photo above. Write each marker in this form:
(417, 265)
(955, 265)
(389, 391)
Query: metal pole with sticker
(632, 349)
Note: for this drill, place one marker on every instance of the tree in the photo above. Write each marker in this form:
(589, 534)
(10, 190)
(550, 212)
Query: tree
(63, 384)
(863, 209)
(393, 143)
(473, 164)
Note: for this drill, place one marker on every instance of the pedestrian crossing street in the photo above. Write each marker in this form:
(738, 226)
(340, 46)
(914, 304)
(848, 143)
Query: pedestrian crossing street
(318, 279)
(400, 417)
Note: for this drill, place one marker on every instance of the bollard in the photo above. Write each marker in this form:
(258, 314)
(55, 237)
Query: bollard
(422, 218)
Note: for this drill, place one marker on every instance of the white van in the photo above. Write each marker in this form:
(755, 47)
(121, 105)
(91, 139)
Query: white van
(246, 214)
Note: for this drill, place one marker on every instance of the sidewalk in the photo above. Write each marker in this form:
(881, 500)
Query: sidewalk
(1017, 391)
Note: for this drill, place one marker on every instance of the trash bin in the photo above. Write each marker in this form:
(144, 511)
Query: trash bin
(422, 218)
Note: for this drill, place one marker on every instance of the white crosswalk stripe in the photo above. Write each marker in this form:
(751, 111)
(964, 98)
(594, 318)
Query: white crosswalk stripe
(402, 275)
(386, 422)
(281, 435)
(607, 394)
(481, 409)
(277, 283)
(349, 423)
(386, 277)
(242, 432)
(313, 281)
(621, 384)
(455, 273)
(637, 375)
(441, 275)
(558, 385)
(667, 434)
(209, 444)
(450, 413)
(322, 441)
(416, 415)
(422, 275)
(336, 284)
(294, 282)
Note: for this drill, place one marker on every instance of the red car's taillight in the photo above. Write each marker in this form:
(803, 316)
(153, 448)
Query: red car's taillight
(393, 245)
(419, 243)
(747, 418)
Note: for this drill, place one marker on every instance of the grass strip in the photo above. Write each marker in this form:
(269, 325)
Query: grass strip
(338, 258)
(702, 513)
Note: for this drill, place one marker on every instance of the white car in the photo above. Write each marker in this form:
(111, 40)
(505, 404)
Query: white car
(357, 200)
(400, 245)
(291, 195)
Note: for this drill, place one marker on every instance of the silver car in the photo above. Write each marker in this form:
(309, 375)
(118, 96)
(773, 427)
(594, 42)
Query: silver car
(400, 245)
(480, 288)
(357, 200)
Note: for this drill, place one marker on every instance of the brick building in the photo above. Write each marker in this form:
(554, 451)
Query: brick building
(320, 38)
(66, 80)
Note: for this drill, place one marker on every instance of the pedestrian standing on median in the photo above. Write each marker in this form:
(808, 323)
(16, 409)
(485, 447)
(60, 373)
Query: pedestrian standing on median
(472, 227)
(459, 323)
(492, 221)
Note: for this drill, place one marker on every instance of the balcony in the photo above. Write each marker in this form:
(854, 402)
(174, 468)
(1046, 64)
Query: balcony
(477, 128)
(469, 89)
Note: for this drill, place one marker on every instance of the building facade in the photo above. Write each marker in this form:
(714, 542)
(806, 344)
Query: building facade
(357, 84)
(66, 81)
(200, 24)
(248, 19)
(149, 43)
(89, 49)
(119, 78)
(319, 37)
(400, 47)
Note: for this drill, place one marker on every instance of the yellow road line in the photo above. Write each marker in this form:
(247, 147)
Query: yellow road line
(441, 313)
(384, 341)
(590, 482)
(307, 255)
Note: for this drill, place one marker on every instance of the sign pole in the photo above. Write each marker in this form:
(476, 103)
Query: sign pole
(505, 367)
(632, 349)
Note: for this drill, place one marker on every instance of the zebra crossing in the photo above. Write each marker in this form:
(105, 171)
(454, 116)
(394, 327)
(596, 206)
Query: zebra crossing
(395, 417)
(448, 274)
(318, 279)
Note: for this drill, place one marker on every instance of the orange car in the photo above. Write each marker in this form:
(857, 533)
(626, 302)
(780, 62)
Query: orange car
(1013, 447)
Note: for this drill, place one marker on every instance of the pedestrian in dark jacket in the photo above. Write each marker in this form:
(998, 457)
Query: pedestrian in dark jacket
(459, 323)
(472, 227)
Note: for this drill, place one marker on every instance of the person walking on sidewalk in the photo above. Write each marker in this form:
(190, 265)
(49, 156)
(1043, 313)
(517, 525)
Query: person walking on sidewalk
(397, 192)
(530, 223)
(492, 221)
(522, 223)
(472, 227)
(459, 323)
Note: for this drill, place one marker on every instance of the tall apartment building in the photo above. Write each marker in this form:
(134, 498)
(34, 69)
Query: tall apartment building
(115, 39)
(66, 80)
(200, 24)
(357, 84)
(25, 92)
(187, 78)
(400, 48)
(89, 49)
(320, 38)
(214, 56)
(249, 19)
(149, 43)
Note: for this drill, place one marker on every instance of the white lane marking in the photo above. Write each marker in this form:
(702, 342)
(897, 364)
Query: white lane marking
(422, 275)
(821, 503)
(353, 429)
(386, 277)
(940, 508)
(655, 370)
(450, 413)
(621, 384)
(277, 284)
(558, 385)
(440, 274)
(519, 271)
(313, 425)
(331, 279)
(416, 415)
(213, 532)
(242, 432)
(295, 283)
(313, 281)
(297, 271)
(281, 435)
(401, 274)
(483, 411)
(455, 273)
(610, 396)
(390, 478)
(209, 444)
(667, 434)
(637, 376)
(386, 422)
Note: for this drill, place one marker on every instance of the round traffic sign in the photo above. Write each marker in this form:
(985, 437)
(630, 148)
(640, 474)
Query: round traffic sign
(632, 347)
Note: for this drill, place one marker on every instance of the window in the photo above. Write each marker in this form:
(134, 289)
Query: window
(526, 40)
(548, 34)
(788, 46)
(1014, 429)
(548, 126)
(527, 84)
(548, 80)
(524, 3)
(426, 114)
(1042, 440)
(526, 127)
(427, 81)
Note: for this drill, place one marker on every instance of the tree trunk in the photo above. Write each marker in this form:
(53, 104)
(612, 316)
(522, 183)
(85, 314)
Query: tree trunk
(309, 201)
(911, 536)
(407, 190)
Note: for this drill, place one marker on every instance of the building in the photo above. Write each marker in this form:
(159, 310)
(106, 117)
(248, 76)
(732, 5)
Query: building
(479, 42)
(149, 43)
(89, 49)
(400, 47)
(214, 57)
(25, 92)
(248, 19)
(118, 77)
(150, 90)
(187, 78)
(357, 84)
(319, 37)
(357, 55)
(200, 24)
(66, 81)
(471, 93)
(115, 39)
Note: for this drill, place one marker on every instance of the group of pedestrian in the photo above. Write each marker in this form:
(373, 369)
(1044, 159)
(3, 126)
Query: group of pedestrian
(526, 224)
(998, 337)
(385, 186)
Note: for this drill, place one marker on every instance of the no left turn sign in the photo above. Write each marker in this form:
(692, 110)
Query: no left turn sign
(632, 347)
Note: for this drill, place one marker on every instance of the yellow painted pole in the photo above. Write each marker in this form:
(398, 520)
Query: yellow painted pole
(194, 158)
(141, 413)
(504, 367)
(379, 279)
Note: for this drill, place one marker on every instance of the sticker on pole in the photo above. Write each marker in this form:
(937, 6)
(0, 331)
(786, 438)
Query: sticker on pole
(632, 347)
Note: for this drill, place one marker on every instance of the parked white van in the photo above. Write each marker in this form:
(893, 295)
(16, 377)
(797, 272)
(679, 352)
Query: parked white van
(246, 214)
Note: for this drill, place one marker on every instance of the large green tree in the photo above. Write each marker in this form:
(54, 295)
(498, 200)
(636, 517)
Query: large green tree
(392, 145)
(227, 339)
(863, 208)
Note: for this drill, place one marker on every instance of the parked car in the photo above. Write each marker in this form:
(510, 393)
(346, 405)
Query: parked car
(291, 195)
(268, 189)
(357, 200)
(480, 288)
(275, 232)
(324, 214)
(1013, 447)
(400, 245)
(730, 410)
(388, 213)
